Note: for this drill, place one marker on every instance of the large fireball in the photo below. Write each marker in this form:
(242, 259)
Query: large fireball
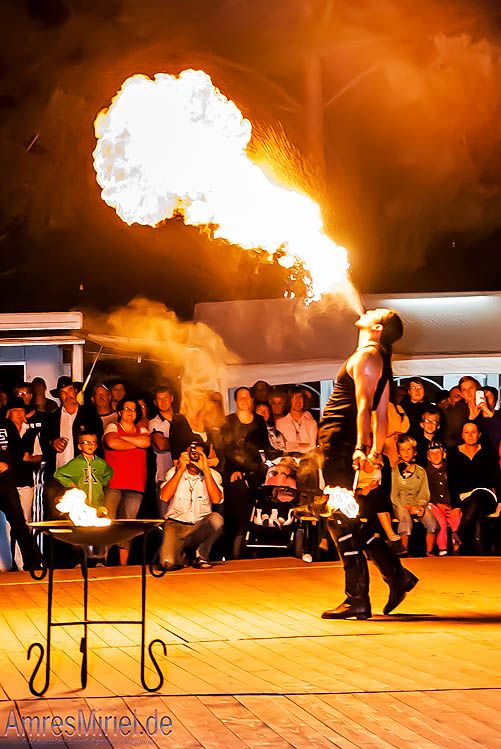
(177, 145)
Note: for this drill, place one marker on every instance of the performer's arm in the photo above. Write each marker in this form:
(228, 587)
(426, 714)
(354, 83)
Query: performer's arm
(367, 369)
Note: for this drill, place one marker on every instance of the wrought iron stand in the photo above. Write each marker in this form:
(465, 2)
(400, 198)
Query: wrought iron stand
(85, 622)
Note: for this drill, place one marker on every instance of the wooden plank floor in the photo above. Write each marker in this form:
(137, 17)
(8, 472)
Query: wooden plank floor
(250, 662)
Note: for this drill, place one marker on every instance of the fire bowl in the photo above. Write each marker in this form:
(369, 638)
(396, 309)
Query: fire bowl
(102, 535)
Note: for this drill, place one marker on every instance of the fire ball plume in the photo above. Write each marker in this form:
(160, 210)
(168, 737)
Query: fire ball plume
(74, 503)
(177, 146)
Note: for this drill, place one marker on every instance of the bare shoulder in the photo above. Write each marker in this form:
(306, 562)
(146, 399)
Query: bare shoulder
(367, 359)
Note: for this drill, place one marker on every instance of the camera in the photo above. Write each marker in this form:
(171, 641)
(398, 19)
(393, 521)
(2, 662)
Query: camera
(193, 453)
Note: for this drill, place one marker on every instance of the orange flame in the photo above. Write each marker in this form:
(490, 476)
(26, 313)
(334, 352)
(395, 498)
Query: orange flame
(74, 502)
(177, 145)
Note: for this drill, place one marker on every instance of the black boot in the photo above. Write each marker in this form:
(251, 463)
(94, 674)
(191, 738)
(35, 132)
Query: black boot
(356, 604)
(399, 580)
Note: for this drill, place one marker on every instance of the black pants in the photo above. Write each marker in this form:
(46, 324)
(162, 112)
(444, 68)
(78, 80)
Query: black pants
(358, 538)
(473, 509)
(10, 504)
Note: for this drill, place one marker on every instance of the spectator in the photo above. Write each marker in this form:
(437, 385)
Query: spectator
(190, 489)
(398, 423)
(10, 504)
(245, 445)
(277, 439)
(61, 428)
(4, 400)
(159, 428)
(277, 401)
(34, 418)
(145, 412)
(455, 414)
(414, 404)
(101, 398)
(87, 471)
(125, 446)
(191, 423)
(487, 420)
(410, 495)
(261, 391)
(118, 392)
(29, 458)
(298, 427)
(440, 498)
(491, 397)
(429, 431)
(474, 483)
(40, 400)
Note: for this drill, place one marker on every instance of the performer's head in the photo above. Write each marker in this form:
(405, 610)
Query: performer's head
(383, 325)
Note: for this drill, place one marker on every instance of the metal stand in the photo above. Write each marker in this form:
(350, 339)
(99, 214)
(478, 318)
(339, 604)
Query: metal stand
(85, 622)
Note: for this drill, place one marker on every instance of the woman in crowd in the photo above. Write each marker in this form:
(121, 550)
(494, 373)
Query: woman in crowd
(195, 419)
(474, 484)
(125, 449)
(277, 439)
(410, 494)
(245, 446)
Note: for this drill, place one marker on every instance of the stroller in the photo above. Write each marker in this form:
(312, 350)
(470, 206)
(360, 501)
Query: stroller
(272, 524)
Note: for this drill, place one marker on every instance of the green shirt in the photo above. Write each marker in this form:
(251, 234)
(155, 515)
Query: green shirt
(92, 477)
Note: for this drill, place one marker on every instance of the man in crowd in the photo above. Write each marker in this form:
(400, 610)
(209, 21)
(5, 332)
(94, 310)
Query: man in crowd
(101, 398)
(118, 393)
(159, 428)
(298, 427)
(34, 418)
(414, 404)
(190, 489)
(40, 400)
(352, 431)
(277, 402)
(62, 428)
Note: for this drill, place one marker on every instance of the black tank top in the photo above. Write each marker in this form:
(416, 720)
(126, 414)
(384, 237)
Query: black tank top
(339, 420)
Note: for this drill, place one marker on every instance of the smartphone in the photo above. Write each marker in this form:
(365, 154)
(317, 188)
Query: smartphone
(479, 397)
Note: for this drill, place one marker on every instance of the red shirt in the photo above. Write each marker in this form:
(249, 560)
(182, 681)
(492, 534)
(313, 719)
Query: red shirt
(129, 466)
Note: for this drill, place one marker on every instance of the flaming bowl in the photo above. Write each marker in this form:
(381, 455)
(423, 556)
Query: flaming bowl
(102, 535)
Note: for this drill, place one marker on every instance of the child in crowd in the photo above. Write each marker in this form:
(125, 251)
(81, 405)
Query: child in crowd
(87, 471)
(410, 494)
(440, 504)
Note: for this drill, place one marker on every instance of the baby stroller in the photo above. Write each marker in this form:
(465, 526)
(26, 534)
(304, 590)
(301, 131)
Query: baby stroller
(272, 524)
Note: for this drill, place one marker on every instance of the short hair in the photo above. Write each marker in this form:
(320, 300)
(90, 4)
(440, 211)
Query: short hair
(271, 420)
(433, 411)
(469, 378)
(25, 385)
(406, 439)
(417, 380)
(163, 388)
(393, 329)
(87, 433)
(139, 410)
(242, 387)
(39, 381)
(470, 422)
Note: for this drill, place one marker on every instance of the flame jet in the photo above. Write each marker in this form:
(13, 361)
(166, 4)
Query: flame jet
(175, 145)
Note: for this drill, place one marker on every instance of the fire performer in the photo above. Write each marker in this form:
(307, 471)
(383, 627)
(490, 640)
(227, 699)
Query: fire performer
(352, 431)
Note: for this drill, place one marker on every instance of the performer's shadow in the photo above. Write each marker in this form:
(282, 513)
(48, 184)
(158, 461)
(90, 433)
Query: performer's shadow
(457, 618)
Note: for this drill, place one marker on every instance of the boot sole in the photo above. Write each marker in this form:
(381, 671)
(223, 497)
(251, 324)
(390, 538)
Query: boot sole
(361, 617)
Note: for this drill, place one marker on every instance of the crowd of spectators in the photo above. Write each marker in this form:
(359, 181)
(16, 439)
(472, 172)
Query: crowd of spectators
(200, 469)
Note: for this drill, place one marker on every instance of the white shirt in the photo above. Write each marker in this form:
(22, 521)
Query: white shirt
(66, 430)
(191, 502)
(304, 430)
(164, 457)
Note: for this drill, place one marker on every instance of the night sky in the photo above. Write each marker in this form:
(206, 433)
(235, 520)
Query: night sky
(412, 142)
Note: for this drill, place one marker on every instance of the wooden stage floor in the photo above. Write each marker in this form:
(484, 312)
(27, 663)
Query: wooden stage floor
(250, 662)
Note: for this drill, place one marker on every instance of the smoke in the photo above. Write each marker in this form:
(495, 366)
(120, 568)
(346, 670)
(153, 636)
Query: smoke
(147, 328)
